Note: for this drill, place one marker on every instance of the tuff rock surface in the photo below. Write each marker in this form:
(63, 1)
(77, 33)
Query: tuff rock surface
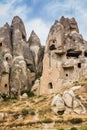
(25, 66)
(36, 49)
(67, 103)
(65, 57)
(19, 61)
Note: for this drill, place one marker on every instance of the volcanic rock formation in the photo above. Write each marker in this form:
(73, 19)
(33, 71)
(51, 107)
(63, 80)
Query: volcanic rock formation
(65, 57)
(22, 61)
(18, 60)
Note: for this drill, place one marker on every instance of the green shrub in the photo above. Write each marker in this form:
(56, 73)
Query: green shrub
(73, 128)
(5, 98)
(59, 121)
(38, 75)
(30, 94)
(83, 128)
(59, 129)
(48, 120)
(24, 112)
(42, 112)
(16, 115)
(76, 83)
(32, 113)
(76, 120)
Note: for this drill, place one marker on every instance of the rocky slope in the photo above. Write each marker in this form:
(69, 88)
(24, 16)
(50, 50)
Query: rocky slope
(43, 89)
(36, 112)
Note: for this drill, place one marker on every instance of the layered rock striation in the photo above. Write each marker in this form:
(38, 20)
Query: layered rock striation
(22, 62)
(65, 58)
(19, 60)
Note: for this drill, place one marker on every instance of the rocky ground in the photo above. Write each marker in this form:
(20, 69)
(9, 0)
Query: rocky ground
(35, 112)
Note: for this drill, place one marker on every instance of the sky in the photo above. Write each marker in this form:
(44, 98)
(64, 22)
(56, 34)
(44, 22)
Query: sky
(39, 15)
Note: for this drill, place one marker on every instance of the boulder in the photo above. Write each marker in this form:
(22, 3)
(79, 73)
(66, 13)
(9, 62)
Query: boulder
(58, 105)
(76, 103)
(24, 96)
(78, 110)
(68, 99)
(3, 116)
(78, 107)
(67, 103)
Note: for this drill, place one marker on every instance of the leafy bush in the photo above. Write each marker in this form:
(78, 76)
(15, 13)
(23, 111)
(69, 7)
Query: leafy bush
(76, 120)
(83, 128)
(24, 112)
(76, 83)
(73, 128)
(16, 115)
(32, 113)
(38, 75)
(60, 129)
(4, 97)
(59, 121)
(42, 112)
(48, 120)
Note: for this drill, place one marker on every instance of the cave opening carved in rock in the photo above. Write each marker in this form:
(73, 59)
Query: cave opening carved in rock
(50, 85)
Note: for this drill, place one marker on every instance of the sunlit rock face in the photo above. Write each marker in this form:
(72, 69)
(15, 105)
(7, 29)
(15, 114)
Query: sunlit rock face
(65, 57)
(4, 77)
(18, 34)
(22, 61)
(36, 49)
(19, 75)
(5, 59)
(55, 39)
(68, 103)
(69, 24)
(19, 61)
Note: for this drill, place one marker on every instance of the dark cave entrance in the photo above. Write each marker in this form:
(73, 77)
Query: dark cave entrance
(50, 85)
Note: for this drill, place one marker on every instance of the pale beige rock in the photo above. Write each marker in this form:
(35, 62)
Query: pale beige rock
(68, 99)
(19, 75)
(67, 103)
(65, 57)
(3, 116)
(58, 105)
(76, 103)
(24, 96)
(35, 87)
(19, 61)
(35, 47)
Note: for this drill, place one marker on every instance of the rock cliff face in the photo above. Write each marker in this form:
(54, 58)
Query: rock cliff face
(65, 57)
(18, 60)
(35, 47)
(22, 62)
